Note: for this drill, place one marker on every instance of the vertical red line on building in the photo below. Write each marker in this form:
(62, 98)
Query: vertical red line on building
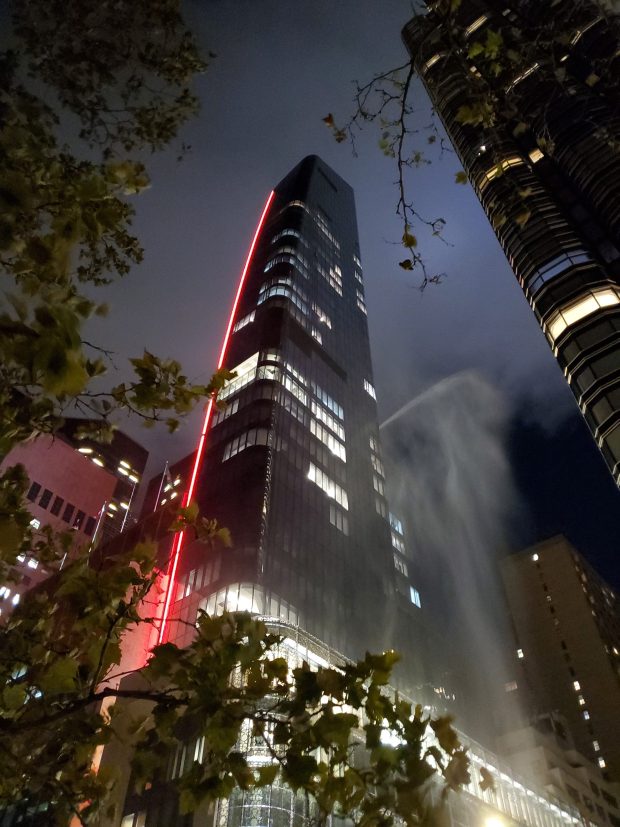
(178, 540)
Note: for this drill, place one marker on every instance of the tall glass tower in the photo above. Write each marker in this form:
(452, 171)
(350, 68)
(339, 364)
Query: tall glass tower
(548, 173)
(292, 463)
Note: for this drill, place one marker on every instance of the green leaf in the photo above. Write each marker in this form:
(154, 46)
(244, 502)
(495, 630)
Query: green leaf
(267, 775)
(59, 677)
(461, 177)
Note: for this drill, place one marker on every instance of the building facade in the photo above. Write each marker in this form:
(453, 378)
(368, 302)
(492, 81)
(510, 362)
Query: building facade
(547, 172)
(567, 624)
(75, 485)
(544, 753)
(292, 463)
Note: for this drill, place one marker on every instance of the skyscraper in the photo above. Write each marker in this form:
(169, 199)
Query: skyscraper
(292, 466)
(547, 173)
(292, 463)
(567, 623)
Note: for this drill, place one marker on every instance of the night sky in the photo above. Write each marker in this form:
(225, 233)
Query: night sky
(280, 67)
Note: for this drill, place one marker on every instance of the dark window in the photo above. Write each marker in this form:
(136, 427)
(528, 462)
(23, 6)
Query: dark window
(594, 788)
(33, 491)
(90, 526)
(68, 512)
(79, 519)
(56, 506)
(46, 496)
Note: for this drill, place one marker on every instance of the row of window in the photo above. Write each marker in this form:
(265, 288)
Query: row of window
(255, 436)
(328, 486)
(577, 310)
(78, 522)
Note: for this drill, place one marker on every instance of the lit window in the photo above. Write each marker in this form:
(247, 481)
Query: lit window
(522, 76)
(602, 764)
(576, 686)
(535, 558)
(32, 564)
(500, 168)
(35, 523)
(398, 543)
(586, 715)
(370, 389)
(255, 436)
(97, 461)
(520, 654)
(378, 485)
(125, 505)
(4, 591)
(122, 471)
(430, 62)
(327, 400)
(595, 746)
(396, 524)
(576, 311)
(85, 450)
(536, 155)
(475, 25)
(360, 302)
(400, 565)
(328, 486)
(414, 596)
(334, 445)
(246, 373)
(133, 479)
(381, 507)
(244, 321)
(326, 418)
(511, 686)
(581, 700)
(322, 316)
(16, 598)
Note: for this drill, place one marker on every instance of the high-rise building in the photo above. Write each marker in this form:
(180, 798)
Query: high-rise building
(292, 463)
(547, 173)
(567, 623)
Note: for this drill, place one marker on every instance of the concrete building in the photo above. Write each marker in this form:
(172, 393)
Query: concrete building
(567, 624)
(544, 753)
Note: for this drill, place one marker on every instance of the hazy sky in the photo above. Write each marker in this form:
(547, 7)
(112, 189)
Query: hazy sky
(280, 67)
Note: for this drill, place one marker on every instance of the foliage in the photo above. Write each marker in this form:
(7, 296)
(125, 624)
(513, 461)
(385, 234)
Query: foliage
(82, 87)
(491, 54)
(338, 734)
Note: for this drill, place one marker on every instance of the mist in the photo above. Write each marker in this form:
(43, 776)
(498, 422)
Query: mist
(450, 481)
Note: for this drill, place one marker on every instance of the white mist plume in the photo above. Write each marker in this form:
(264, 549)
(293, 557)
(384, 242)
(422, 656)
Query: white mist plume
(452, 483)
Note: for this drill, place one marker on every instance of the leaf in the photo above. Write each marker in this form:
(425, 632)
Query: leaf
(461, 177)
(329, 120)
(523, 217)
(409, 240)
(487, 781)
(59, 677)
(446, 734)
(267, 775)
(592, 79)
(406, 264)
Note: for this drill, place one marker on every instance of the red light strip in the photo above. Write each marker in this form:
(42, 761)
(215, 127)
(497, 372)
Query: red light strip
(178, 541)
